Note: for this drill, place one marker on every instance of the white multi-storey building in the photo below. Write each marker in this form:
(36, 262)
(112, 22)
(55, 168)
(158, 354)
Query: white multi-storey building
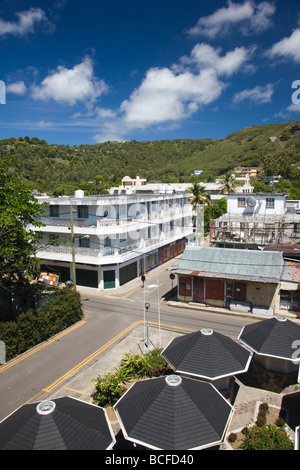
(117, 237)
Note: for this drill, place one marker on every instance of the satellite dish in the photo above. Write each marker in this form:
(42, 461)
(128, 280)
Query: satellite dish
(251, 201)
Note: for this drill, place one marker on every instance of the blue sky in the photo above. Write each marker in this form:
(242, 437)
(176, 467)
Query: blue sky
(85, 72)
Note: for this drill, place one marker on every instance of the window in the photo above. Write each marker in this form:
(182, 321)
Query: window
(54, 211)
(241, 202)
(185, 285)
(289, 299)
(270, 203)
(107, 241)
(82, 212)
(84, 242)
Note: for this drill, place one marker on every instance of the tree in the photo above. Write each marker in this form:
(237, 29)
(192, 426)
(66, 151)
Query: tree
(199, 195)
(214, 211)
(228, 183)
(18, 209)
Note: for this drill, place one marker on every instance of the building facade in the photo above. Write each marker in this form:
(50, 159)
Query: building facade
(256, 281)
(116, 237)
(256, 220)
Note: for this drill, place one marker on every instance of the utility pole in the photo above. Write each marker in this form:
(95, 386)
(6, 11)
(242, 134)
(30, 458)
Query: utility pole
(73, 248)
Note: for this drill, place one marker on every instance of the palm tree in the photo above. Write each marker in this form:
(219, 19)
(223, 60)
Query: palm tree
(228, 184)
(199, 195)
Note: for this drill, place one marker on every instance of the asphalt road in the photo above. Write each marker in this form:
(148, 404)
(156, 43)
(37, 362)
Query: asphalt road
(30, 376)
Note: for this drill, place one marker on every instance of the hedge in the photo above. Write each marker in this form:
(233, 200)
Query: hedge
(62, 310)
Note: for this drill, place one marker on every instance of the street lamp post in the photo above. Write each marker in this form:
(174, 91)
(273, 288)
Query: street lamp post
(147, 306)
(73, 248)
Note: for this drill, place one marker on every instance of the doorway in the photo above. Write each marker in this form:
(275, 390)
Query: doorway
(198, 289)
(239, 291)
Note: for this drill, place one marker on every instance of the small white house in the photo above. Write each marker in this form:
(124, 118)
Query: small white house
(256, 204)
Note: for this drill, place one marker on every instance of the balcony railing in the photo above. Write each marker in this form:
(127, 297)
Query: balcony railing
(104, 222)
(67, 250)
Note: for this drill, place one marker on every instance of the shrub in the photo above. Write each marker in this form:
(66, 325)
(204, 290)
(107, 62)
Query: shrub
(264, 407)
(232, 437)
(151, 364)
(31, 328)
(262, 414)
(280, 422)
(267, 437)
(108, 389)
(261, 419)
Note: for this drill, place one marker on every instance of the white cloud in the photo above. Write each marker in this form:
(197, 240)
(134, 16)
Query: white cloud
(163, 100)
(204, 55)
(44, 124)
(294, 108)
(18, 88)
(165, 96)
(25, 24)
(105, 113)
(70, 86)
(257, 95)
(288, 47)
(249, 16)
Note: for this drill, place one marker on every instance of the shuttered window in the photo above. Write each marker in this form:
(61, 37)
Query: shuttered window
(214, 289)
(185, 285)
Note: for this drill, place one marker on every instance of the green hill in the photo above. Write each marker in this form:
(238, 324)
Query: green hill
(60, 169)
(249, 147)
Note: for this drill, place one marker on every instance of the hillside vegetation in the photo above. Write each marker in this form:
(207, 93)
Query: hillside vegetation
(60, 169)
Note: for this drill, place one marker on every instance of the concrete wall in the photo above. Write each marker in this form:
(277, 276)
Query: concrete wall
(259, 209)
(263, 294)
(257, 293)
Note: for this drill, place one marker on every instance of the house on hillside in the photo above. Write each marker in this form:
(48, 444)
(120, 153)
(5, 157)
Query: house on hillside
(261, 282)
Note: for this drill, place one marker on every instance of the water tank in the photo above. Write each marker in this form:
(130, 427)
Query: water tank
(79, 193)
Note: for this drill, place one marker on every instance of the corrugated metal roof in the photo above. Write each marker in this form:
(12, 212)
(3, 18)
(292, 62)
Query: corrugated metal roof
(228, 263)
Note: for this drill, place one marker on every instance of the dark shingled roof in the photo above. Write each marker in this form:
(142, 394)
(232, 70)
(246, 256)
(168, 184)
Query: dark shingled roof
(207, 354)
(73, 425)
(188, 415)
(272, 337)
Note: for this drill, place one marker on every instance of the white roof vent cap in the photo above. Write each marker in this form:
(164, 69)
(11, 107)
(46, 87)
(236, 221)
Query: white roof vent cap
(173, 380)
(207, 331)
(45, 407)
(280, 318)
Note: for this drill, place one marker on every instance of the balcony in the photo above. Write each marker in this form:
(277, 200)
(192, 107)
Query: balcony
(93, 223)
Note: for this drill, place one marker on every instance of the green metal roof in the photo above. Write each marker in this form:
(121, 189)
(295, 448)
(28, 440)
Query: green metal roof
(229, 263)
